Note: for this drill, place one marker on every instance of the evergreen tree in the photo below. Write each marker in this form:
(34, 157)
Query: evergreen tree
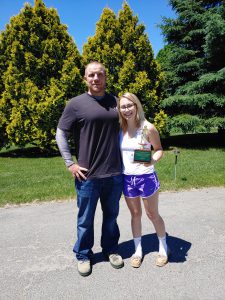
(164, 57)
(40, 70)
(194, 65)
(124, 48)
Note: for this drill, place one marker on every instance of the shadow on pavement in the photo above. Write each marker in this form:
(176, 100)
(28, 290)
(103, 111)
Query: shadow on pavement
(179, 248)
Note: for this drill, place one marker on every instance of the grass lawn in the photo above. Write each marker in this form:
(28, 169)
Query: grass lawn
(39, 178)
(194, 169)
(34, 179)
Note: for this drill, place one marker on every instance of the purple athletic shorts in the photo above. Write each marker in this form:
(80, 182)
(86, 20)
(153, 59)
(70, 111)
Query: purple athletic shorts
(140, 185)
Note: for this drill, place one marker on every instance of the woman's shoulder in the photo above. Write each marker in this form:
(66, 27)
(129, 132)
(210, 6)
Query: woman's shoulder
(151, 127)
(148, 124)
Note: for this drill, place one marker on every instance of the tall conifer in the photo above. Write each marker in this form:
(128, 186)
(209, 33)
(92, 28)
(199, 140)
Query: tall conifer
(194, 64)
(40, 70)
(121, 43)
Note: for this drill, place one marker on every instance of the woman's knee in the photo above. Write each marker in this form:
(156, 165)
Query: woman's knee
(153, 216)
(136, 213)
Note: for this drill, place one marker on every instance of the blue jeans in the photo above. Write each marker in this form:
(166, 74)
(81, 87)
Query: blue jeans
(109, 191)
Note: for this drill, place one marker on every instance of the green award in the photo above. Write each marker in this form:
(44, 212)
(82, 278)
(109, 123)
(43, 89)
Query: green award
(143, 155)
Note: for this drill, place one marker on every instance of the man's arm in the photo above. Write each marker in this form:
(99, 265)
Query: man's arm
(62, 142)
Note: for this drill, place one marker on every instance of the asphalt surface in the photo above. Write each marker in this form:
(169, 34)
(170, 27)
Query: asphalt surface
(37, 262)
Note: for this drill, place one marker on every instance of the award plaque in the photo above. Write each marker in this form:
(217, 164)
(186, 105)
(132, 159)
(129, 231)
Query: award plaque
(143, 154)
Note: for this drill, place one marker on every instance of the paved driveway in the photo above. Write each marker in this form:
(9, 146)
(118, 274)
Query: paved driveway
(37, 262)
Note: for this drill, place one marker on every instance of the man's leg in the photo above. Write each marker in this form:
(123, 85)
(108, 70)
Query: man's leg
(111, 190)
(87, 198)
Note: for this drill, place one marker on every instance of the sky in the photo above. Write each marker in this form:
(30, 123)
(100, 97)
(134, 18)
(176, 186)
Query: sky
(81, 16)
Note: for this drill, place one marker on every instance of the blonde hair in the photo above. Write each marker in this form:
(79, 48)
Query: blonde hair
(139, 118)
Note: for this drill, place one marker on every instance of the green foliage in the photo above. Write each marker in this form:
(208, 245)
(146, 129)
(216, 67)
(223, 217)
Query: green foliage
(187, 123)
(194, 65)
(216, 122)
(215, 40)
(191, 123)
(200, 104)
(40, 70)
(121, 44)
(161, 123)
(208, 82)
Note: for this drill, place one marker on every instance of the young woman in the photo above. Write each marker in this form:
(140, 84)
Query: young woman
(140, 179)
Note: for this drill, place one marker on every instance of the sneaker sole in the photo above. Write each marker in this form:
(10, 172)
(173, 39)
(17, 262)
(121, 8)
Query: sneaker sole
(84, 274)
(117, 266)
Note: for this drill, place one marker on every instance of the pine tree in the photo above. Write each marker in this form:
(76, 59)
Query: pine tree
(195, 65)
(40, 70)
(124, 48)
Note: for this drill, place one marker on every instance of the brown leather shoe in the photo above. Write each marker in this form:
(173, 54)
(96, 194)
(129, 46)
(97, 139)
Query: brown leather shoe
(135, 261)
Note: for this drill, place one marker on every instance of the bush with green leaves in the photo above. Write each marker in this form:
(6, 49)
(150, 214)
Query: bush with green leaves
(40, 70)
(161, 123)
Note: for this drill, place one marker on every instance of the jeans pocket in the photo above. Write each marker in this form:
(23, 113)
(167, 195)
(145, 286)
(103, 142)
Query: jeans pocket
(84, 188)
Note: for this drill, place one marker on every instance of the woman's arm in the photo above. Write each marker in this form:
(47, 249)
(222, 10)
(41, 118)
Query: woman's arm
(154, 139)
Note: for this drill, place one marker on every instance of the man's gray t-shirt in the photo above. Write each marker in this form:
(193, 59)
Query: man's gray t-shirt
(95, 128)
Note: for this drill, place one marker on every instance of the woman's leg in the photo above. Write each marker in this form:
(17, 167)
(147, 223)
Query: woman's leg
(134, 205)
(151, 208)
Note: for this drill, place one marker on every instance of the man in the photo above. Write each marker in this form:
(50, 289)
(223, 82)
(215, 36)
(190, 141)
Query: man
(92, 118)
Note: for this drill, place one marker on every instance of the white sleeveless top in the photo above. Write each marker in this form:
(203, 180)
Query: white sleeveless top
(127, 147)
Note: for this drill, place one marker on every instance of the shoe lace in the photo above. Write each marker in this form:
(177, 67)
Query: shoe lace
(83, 261)
(114, 256)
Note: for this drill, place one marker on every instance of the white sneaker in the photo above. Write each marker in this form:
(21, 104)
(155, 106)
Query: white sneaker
(84, 267)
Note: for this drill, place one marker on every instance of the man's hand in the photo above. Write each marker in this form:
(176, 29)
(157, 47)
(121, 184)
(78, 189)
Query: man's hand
(76, 171)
